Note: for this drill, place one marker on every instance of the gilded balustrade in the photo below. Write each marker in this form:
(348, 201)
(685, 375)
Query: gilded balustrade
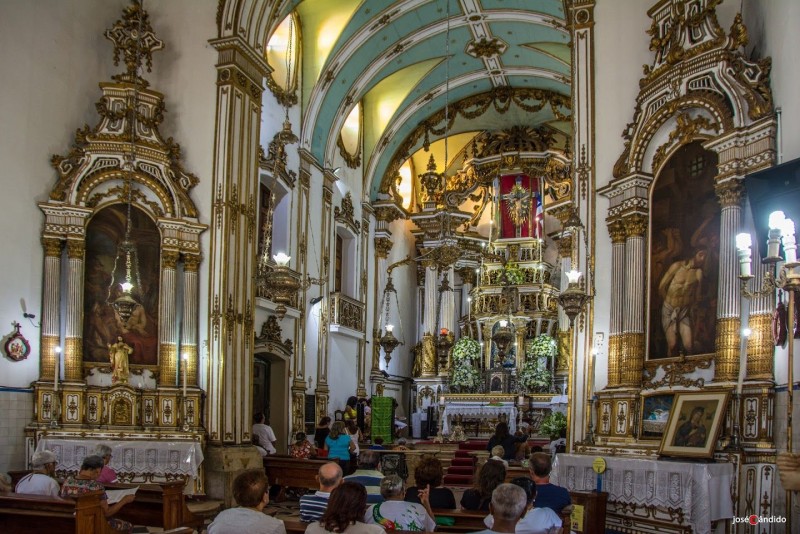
(347, 312)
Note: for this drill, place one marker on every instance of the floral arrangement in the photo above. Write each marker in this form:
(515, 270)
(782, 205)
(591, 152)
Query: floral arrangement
(465, 374)
(534, 376)
(543, 346)
(553, 424)
(513, 274)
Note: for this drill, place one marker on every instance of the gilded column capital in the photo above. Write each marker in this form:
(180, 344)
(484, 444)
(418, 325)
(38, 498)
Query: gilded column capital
(467, 275)
(428, 264)
(75, 248)
(382, 247)
(634, 225)
(191, 262)
(729, 193)
(616, 230)
(52, 246)
(561, 213)
(169, 259)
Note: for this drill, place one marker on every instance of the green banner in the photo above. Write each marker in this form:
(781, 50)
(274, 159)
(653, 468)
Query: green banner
(382, 418)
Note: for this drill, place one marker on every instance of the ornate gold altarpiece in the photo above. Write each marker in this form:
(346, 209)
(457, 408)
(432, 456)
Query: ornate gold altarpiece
(160, 404)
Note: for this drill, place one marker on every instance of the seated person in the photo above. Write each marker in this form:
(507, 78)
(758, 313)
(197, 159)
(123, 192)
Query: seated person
(345, 512)
(491, 475)
(107, 475)
(396, 514)
(429, 474)
(312, 506)
(547, 495)
(508, 442)
(266, 437)
(302, 448)
(251, 491)
(41, 481)
(535, 520)
(6, 484)
(497, 454)
(86, 481)
(560, 444)
(368, 475)
(401, 445)
(377, 444)
(507, 507)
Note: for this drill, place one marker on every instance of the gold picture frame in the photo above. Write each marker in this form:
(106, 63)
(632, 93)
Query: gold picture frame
(695, 421)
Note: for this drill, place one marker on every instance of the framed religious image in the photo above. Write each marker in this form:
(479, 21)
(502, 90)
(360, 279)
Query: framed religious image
(16, 346)
(655, 410)
(694, 424)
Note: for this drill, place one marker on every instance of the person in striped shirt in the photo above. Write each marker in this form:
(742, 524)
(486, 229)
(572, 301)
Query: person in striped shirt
(368, 475)
(314, 505)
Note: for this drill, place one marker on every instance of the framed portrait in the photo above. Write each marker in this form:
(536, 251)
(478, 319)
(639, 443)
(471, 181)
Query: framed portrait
(655, 410)
(16, 346)
(694, 424)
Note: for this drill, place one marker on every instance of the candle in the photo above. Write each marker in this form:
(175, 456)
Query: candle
(742, 360)
(57, 369)
(443, 331)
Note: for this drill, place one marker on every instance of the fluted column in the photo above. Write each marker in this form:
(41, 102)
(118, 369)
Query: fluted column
(51, 307)
(519, 340)
(467, 275)
(168, 324)
(617, 231)
(632, 361)
(191, 263)
(760, 347)
(728, 341)
(431, 297)
(322, 391)
(73, 337)
(448, 314)
(232, 255)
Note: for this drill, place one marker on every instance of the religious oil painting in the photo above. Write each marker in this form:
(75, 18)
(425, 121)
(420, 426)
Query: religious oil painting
(655, 410)
(684, 256)
(694, 424)
(106, 268)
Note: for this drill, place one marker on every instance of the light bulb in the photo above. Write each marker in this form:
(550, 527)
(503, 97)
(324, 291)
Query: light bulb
(743, 241)
(573, 276)
(776, 219)
(503, 323)
(787, 227)
(58, 350)
(389, 328)
(746, 332)
(281, 259)
(126, 287)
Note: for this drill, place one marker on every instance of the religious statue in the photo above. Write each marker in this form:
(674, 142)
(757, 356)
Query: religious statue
(118, 356)
(428, 355)
(458, 434)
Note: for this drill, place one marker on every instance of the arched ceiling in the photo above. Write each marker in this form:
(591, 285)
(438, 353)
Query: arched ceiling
(393, 58)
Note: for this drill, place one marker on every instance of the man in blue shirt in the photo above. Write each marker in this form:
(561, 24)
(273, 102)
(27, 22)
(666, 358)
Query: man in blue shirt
(368, 475)
(313, 506)
(547, 495)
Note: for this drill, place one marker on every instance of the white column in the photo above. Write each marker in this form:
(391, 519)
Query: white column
(51, 308)
(73, 342)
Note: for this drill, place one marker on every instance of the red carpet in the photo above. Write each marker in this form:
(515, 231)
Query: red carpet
(462, 470)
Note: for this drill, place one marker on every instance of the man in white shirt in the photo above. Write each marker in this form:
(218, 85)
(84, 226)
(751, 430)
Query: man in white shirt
(41, 481)
(535, 520)
(266, 437)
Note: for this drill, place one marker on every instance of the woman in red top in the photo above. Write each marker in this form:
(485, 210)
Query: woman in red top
(301, 448)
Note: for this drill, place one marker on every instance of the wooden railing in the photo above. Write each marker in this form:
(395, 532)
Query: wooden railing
(347, 312)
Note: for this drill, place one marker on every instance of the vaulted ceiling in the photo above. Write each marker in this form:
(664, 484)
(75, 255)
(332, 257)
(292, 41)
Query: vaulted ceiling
(395, 59)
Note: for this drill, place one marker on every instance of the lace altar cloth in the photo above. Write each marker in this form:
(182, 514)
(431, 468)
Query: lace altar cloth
(131, 457)
(701, 491)
(478, 410)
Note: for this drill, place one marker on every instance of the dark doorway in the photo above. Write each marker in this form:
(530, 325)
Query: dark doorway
(261, 377)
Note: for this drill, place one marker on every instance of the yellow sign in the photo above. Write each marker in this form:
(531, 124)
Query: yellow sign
(599, 465)
(576, 518)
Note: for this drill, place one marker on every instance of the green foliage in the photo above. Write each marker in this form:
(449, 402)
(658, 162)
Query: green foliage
(514, 275)
(543, 346)
(553, 424)
(464, 371)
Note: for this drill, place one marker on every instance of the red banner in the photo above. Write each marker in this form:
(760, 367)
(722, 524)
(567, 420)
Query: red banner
(520, 207)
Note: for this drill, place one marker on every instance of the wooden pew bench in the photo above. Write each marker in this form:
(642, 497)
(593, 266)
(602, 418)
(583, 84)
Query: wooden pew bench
(471, 521)
(298, 527)
(158, 505)
(286, 472)
(35, 514)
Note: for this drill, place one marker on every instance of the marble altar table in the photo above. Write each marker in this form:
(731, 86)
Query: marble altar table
(481, 411)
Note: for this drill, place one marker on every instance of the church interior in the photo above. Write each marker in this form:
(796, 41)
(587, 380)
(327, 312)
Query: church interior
(431, 217)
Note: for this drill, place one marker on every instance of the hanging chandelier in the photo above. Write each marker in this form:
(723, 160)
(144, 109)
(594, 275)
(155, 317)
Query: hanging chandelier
(388, 342)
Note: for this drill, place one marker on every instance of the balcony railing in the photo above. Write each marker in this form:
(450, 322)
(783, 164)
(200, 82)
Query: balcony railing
(347, 312)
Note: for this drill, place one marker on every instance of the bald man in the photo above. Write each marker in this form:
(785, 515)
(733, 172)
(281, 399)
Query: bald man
(313, 506)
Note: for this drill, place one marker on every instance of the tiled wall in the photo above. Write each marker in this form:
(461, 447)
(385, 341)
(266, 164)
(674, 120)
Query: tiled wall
(16, 412)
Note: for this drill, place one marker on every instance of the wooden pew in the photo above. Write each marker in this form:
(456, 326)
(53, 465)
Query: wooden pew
(465, 520)
(298, 527)
(34, 514)
(158, 505)
(286, 472)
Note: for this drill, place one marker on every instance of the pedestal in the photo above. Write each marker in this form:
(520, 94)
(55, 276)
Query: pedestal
(223, 464)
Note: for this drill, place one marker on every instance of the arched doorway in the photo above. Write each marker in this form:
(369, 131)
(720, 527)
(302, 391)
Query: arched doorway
(271, 394)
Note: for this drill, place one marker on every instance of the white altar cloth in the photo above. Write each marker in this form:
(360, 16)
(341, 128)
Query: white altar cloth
(136, 457)
(477, 410)
(702, 491)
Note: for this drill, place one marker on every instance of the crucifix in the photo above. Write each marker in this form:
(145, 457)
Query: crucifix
(518, 206)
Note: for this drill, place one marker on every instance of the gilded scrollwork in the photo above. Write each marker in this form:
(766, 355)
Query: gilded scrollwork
(675, 373)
